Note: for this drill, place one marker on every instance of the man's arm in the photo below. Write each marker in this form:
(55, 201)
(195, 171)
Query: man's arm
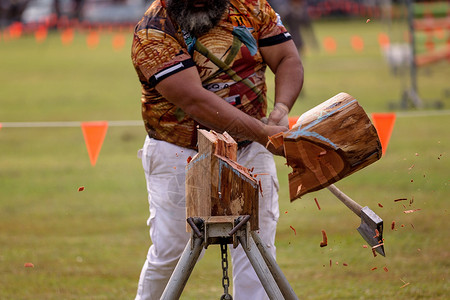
(284, 61)
(184, 89)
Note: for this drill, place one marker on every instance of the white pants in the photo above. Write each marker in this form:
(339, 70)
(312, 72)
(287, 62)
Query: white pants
(164, 165)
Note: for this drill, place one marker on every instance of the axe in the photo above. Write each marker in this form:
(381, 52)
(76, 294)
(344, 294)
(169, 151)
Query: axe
(371, 228)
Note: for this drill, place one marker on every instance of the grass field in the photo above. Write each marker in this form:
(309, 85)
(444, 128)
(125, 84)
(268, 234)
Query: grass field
(91, 244)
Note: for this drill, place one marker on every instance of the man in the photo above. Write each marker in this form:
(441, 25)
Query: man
(201, 63)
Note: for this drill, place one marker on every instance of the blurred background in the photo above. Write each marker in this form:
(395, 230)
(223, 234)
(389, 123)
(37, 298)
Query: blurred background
(75, 228)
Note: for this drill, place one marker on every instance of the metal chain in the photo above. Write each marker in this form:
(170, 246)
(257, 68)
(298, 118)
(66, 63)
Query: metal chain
(225, 279)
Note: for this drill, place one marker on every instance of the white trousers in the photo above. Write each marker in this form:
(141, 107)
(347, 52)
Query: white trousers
(164, 165)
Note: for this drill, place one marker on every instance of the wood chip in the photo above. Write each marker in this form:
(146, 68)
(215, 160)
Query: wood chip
(404, 285)
(400, 199)
(317, 203)
(295, 231)
(377, 233)
(393, 225)
(299, 189)
(376, 246)
(277, 140)
(324, 241)
(411, 211)
(260, 186)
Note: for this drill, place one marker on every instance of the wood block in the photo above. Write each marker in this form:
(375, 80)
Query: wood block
(328, 143)
(216, 185)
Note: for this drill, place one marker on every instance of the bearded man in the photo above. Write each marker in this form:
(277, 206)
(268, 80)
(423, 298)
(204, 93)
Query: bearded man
(201, 63)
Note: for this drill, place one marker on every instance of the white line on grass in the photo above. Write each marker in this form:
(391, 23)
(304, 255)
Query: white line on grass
(402, 114)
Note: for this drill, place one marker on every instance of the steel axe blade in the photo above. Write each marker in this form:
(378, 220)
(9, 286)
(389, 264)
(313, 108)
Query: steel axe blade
(371, 228)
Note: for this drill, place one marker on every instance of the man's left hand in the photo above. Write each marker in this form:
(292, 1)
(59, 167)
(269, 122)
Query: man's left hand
(279, 115)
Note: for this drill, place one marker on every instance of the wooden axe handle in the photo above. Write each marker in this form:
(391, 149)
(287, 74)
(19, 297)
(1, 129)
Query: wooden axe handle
(355, 207)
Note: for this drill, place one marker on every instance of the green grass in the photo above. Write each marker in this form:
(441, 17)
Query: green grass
(91, 244)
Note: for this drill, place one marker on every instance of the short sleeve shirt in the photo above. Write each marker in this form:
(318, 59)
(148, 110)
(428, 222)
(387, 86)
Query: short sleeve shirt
(227, 59)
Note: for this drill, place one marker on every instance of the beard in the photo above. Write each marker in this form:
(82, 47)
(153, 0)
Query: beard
(196, 20)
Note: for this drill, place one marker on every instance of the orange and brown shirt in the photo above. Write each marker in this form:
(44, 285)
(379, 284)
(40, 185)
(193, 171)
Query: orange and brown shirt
(227, 59)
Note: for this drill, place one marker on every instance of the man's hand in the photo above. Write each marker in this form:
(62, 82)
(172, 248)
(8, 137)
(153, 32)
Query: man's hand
(279, 115)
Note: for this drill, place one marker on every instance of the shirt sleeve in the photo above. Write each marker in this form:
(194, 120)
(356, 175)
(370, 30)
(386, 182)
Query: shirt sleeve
(272, 30)
(158, 55)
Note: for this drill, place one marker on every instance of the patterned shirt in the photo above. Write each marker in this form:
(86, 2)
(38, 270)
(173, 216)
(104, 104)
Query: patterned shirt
(227, 59)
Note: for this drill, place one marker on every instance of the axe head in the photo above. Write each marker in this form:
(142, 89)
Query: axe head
(371, 229)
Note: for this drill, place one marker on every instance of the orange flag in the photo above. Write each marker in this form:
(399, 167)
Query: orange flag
(93, 39)
(383, 40)
(94, 133)
(384, 123)
(16, 30)
(41, 34)
(292, 121)
(329, 44)
(118, 41)
(357, 43)
(67, 36)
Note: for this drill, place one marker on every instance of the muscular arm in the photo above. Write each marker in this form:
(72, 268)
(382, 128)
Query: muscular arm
(184, 89)
(284, 61)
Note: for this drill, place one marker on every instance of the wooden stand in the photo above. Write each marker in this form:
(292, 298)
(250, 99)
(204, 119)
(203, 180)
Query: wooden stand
(222, 208)
(216, 185)
(328, 143)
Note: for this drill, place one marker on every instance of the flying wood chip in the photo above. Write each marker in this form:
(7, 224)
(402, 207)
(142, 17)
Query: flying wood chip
(260, 187)
(295, 231)
(404, 283)
(376, 246)
(374, 252)
(324, 241)
(411, 211)
(276, 140)
(377, 233)
(400, 199)
(317, 203)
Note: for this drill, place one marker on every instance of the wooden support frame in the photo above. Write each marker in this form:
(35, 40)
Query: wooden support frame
(216, 185)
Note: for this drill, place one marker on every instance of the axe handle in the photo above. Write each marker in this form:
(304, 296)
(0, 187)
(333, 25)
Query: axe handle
(355, 207)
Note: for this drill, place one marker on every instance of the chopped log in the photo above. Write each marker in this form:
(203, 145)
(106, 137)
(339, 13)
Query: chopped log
(328, 143)
(216, 185)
